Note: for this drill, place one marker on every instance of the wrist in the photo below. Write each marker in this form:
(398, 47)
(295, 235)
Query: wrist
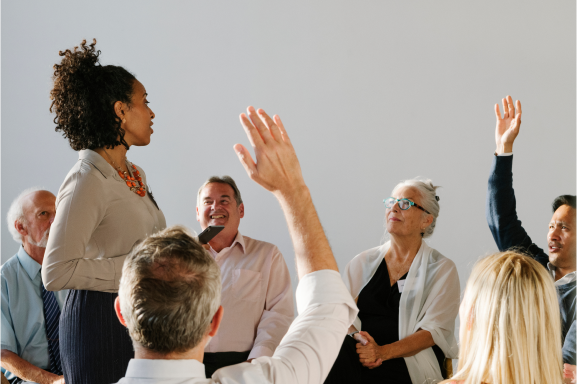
(504, 148)
(384, 352)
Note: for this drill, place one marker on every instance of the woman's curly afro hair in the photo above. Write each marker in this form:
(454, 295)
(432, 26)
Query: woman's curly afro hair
(83, 98)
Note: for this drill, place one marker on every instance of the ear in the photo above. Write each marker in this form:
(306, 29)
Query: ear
(428, 221)
(197, 214)
(215, 323)
(20, 228)
(118, 313)
(241, 210)
(119, 108)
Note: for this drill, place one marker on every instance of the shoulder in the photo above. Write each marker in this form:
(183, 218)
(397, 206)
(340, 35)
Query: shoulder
(366, 257)
(438, 257)
(258, 245)
(10, 268)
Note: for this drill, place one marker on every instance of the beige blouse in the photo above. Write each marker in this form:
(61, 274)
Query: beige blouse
(98, 220)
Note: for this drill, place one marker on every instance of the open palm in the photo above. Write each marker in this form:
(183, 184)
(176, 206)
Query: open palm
(508, 126)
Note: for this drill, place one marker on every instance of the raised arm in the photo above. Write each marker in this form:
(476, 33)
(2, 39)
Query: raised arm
(277, 169)
(326, 308)
(501, 210)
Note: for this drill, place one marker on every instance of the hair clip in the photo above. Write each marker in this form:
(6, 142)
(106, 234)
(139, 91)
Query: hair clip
(437, 198)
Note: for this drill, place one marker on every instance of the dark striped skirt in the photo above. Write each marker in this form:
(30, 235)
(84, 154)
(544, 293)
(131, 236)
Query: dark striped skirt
(94, 347)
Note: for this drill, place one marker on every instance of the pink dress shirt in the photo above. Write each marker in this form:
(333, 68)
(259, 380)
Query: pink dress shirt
(256, 297)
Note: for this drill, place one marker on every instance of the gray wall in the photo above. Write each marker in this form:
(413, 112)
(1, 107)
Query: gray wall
(370, 92)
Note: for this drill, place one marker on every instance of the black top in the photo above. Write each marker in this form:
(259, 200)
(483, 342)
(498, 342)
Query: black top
(508, 233)
(378, 305)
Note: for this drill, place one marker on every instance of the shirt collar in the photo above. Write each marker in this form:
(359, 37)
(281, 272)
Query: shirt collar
(165, 369)
(99, 163)
(29, 264)
(240, 240)
(568, 278)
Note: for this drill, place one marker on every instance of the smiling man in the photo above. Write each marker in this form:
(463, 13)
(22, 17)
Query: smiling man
(256, 288)
(509, 233)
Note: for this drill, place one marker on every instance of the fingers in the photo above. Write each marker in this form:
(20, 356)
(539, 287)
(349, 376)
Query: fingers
(497, 112)
(259, 124)
(246, 160)
(505, 109)
(511, 106)
(270, 124)
(518, 105)
(253, 134)
(280, 126)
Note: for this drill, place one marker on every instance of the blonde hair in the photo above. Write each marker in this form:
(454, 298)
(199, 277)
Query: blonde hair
(169, 291)
(513, 329)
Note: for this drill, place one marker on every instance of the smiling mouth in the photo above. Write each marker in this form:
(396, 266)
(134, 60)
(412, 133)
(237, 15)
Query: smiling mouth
(217, 216)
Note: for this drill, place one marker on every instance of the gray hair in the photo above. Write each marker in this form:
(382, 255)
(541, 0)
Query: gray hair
(223, 180)
(169, 291)
(16, 212)
(430, 200)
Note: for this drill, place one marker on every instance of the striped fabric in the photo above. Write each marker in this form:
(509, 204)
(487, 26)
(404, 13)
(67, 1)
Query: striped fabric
(52, 319)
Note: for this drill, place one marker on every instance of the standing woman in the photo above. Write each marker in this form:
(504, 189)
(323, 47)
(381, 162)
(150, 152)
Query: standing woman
(103, 208)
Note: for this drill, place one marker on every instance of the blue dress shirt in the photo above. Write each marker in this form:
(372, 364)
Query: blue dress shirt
(23, 325)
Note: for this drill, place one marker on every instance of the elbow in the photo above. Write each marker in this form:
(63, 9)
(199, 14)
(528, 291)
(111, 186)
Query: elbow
(50, 280)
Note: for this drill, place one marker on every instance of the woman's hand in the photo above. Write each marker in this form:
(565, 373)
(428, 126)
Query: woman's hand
(370, 355)
(570, 373)
(507, 127)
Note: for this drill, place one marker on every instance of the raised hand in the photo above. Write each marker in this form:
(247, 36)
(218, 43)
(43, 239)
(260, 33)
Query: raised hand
(277, 168)
(508, 126)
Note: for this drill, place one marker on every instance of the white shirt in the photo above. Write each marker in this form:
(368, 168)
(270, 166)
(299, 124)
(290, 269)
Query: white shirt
(256, 296)
(305, 355)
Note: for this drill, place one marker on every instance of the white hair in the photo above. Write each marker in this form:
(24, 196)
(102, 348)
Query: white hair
(430, 200)
(16, 213)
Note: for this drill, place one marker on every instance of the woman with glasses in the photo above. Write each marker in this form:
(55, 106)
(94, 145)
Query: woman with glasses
(408, 299)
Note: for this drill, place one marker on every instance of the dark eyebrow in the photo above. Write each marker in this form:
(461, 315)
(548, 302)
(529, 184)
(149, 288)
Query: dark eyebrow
(225, 196)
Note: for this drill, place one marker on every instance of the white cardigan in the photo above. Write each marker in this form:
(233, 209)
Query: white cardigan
(429, 301)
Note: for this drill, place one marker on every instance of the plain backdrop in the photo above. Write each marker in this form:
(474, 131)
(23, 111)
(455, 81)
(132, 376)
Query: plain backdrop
(370, 92)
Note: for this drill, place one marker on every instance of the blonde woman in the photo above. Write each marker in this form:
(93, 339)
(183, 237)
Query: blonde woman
(510, 326)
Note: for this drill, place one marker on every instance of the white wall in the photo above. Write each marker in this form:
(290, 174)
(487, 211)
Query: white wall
(370, 92)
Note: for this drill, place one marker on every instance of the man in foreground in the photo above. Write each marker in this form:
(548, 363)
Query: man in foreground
(256, 286)
(509, 233)
(30, 313)
(169, 341)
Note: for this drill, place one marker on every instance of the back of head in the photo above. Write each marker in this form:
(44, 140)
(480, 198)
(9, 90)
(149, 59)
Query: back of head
(169, 291)
(83, 98)
(510, 323)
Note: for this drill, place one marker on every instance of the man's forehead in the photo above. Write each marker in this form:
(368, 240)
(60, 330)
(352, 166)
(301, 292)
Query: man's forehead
(213, 190)
(565, 214)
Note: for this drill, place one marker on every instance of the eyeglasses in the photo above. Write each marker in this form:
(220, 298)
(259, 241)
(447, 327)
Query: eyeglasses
(404, 204)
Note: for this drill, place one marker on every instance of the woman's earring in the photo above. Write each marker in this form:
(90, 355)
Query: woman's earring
(124, 121)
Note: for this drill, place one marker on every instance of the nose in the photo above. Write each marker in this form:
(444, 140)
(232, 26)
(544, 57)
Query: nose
(152, 115)
(554, 233)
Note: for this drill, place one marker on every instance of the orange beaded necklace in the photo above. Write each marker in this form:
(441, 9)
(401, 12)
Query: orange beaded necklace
(130, 179)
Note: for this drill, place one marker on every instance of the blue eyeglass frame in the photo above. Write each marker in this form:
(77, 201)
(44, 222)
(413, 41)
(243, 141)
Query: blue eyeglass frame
(411, 203)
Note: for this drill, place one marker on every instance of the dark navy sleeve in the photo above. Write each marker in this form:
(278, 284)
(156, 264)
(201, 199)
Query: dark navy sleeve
(501, 212)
